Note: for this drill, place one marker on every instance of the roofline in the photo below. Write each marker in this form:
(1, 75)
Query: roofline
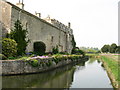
(16, 7)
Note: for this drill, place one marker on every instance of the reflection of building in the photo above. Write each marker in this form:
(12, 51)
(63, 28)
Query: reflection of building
(59, 78)
(50, 31)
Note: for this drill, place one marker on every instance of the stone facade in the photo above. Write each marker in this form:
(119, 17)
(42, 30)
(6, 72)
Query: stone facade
(50, 31)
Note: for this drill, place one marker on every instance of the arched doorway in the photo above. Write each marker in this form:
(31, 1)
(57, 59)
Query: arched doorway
(39, 48)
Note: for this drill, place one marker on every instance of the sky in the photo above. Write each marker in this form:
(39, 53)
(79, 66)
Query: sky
(94, 22)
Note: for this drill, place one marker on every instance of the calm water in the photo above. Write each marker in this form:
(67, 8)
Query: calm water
(89, 74)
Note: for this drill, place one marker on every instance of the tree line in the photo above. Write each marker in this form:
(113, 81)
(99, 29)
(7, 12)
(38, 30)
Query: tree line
(113, 48)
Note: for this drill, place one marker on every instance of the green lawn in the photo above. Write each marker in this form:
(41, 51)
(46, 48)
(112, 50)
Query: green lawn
(112, 64)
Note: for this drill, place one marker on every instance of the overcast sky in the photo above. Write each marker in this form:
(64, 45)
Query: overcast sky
(94, 22)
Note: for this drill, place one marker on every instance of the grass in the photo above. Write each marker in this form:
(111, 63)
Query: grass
(112, 67)
(23, 58)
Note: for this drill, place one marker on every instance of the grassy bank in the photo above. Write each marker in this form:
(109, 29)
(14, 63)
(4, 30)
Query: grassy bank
(111, 65)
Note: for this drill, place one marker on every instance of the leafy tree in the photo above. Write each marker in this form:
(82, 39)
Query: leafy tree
(19, 35)
(117, 49)
(73, 42)
(113, 48)
(76, 50)
(90, 49)
(105, 48)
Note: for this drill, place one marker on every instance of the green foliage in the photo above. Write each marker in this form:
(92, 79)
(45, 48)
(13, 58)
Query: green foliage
(105, 48)
(33, 62)
(2, 57)
(58, 57)
(73, 42)
(39, 48)
(55, 50)
(118, 49)
(113, 48)
(49, 63)
(12, 58)
(64, 53)
(9, 47)
(19, 35)
(90, 49)
(78, 51)
(113, 66)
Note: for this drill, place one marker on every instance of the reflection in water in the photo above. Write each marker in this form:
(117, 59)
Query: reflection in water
(80, 75)
(92, 76)
(59, 78)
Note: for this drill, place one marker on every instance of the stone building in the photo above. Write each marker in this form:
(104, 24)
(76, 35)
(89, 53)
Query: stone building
(50, 31)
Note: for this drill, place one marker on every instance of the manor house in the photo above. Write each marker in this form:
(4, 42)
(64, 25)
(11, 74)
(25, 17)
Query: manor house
(49, 31)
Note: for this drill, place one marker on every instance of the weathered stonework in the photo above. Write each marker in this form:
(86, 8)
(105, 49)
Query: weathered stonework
(52, 33)
(13, 67)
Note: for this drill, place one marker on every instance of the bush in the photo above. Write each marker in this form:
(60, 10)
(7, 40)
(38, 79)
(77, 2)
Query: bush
(78, 51)
(39, 48)
(9, 47)
(55, 50)
(2, 57)
(64, 53)
(33, 62)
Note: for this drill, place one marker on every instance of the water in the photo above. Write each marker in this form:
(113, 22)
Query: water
(89, 74)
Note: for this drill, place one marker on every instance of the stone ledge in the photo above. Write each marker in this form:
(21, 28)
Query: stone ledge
(15, 67)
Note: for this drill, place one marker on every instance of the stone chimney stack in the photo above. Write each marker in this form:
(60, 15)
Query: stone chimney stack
(38, 14)
(20, 4)
(69, 24)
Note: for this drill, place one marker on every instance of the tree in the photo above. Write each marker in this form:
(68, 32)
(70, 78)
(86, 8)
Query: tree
(117, 49)
(73, 42)
(105, 48)
(76, 50)
(113, 48)
(19, 35)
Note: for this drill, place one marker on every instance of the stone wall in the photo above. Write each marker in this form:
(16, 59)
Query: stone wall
(38, 29)
(11, 67)
(6, 17)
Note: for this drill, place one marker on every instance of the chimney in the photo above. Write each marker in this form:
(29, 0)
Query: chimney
(20, 4)
(38, 14)
(69, 24)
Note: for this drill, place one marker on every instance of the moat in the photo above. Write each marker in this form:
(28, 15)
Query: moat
(87, 74)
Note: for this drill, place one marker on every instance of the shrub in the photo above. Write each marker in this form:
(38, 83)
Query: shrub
(49, 63)
(3, 57)
(64, 53)
(39, 48)
(48, 53)
(34, 62)
(9, 47)
(55, 50)
(78, 51)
